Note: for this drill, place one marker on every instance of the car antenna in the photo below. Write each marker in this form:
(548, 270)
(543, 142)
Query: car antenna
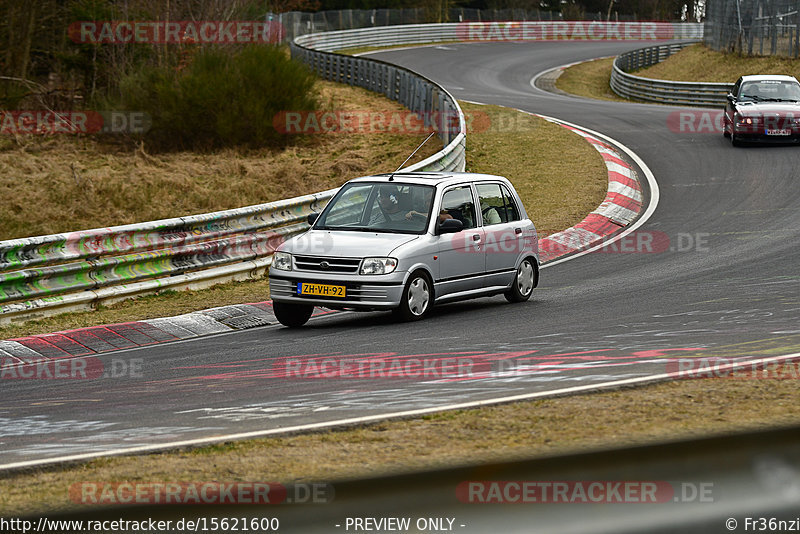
(391, 177)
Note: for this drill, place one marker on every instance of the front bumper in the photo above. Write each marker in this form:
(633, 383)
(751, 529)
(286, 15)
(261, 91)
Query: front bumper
(757, 133)
(361, 293)
(763, 138)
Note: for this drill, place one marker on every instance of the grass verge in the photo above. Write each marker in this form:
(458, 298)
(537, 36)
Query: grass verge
(695, 63)
(61, 184)
(662, 412)
(698, 63)
(589, 79)
(542, 159)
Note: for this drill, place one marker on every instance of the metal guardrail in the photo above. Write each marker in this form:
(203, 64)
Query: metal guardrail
(432, 102)
(379, 36)
(623, 83)
(71, 271)
(498, 31)
(296, 23)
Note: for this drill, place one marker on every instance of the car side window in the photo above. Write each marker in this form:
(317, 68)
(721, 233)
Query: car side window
(491, 200)
(511, 211)
(735, 89)
(459, 204)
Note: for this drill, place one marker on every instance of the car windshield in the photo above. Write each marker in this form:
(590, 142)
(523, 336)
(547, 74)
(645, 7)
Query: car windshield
(379, 207)
(770, 91)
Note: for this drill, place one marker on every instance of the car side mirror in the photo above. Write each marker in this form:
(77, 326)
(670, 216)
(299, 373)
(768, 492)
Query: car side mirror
(312, 217)
(450, 226)
(731, 98)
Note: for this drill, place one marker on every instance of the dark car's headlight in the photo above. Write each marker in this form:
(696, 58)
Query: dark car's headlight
(378, 266)
(282, 261)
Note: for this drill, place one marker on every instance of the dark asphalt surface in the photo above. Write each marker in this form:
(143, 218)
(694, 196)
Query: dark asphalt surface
(727, 286)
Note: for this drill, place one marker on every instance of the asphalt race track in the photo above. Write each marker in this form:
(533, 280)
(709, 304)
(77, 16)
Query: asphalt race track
(723, 283)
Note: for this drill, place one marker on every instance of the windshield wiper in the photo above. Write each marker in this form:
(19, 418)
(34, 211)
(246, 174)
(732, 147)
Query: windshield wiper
(363, 229)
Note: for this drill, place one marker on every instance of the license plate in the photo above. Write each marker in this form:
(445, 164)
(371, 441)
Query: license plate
(779, 132)
(320, 290)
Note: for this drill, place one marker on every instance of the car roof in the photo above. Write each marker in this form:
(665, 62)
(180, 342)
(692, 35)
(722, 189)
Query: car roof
(766, 77)
(429, 178)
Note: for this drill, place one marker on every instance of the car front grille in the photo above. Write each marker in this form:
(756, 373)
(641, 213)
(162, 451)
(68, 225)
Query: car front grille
(325, 264)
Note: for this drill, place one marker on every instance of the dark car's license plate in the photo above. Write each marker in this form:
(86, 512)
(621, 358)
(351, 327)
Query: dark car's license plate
(778, 132)
(320, 290)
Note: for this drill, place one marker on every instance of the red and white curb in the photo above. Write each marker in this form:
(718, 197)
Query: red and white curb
(622, 204)
(107, 338)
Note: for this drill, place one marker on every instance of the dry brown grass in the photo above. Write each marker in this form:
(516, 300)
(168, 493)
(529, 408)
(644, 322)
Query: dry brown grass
(590, 79)
(675, 410)
(51, 185)
(559, 176)
(698, 63)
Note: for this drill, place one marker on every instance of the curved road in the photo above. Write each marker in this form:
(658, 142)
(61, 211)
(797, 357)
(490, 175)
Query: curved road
(726, 285)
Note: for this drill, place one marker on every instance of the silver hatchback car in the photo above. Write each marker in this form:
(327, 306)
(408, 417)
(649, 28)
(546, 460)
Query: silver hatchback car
(405, 241)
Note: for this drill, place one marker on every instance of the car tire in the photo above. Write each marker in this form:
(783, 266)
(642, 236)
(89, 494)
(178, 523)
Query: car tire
(525, 280)
(725, 133)
(735, 141)
(417, 298)
(292, 315)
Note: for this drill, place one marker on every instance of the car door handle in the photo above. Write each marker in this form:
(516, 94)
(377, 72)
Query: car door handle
(476, 237)
(517, 231)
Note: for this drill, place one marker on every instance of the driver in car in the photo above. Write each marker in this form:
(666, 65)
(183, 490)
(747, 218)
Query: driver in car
(389, 206)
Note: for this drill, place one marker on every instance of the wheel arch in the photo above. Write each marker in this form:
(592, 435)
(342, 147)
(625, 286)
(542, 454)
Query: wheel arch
(536, 267)
(419, 267)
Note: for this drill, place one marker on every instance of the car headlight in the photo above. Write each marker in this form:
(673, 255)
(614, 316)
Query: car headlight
(378, 266)
(282, 261)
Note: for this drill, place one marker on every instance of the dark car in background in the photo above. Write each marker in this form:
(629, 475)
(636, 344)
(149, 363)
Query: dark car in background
(763, 108)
